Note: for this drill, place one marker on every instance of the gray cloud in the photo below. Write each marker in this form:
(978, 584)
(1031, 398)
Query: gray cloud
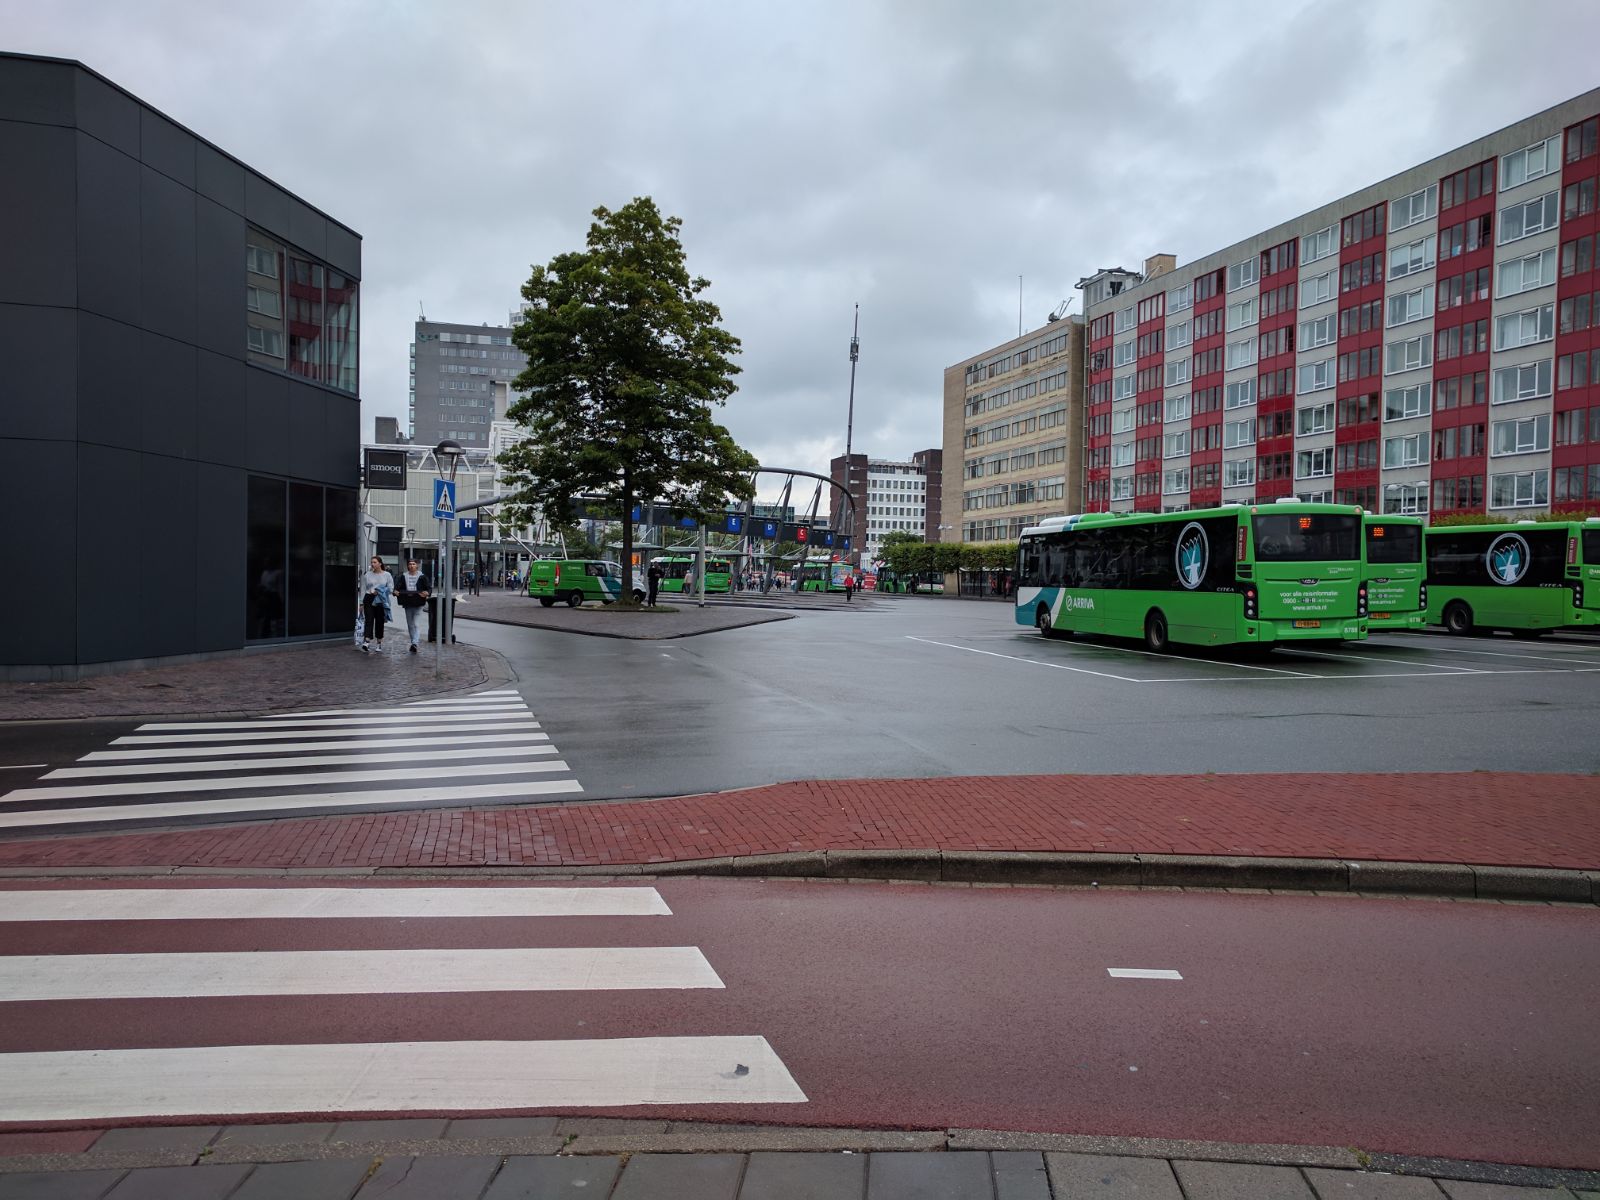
(912, 156)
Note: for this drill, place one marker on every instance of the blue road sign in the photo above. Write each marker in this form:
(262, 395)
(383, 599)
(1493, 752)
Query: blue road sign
(467, 527)
(769, 529)
(732, 523)
(444, 500)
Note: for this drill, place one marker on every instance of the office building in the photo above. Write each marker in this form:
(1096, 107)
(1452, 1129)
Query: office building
(454, 373)
(1425, 345)
(179, 339)
(1013, 421)
(889, 496)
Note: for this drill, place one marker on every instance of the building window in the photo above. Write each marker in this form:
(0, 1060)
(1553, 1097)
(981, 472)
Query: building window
(1405, 498)
(1122, 487)
(1180, 298)
(1178, 335)
(1578, 199)
(1467, 185)
(1409, 259)
(1241, 314)
(1405, 307)
(1122, 421)
(1362, 225)
(1176, 445)
(1316, 419)
(1531, 162)
(1581, 139)
(1238, 472)
(1238, 433)
(1122, 354)
(1241, 354)
(1408, 451)
(263, 299)
(1176, 481)
(1577, 257)
(1177, 408)
(1412, 354)
(1525, 489)
(1319, 332)
(1526, 273)
(1319, 245)
(1527, 382)
(1528, 218)
(1314, 464)
(1122, 387)
(1125, 321)
(1243, 274)
(1401, 404)
(1525, 328)
(1241, 394)
(1418, 206)
(1315, 376)
(300, 559)
(1316, 289)
(1177, 372)
(1529, 435)
(1361, 318)
(1572, 370)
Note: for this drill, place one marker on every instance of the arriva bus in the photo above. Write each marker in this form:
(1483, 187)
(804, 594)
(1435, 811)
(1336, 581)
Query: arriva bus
(822, 575)
(1397, 593)
(719, 574)
(1528, 578)
(1289, 571)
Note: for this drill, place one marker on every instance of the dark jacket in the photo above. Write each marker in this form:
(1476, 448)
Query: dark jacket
(404, 596)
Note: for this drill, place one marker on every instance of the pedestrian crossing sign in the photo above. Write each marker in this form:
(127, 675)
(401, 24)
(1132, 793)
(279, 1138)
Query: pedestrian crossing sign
(444, 500)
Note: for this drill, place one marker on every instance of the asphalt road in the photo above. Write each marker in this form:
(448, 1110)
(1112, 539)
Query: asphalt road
(1457, 1029)
(917, 688)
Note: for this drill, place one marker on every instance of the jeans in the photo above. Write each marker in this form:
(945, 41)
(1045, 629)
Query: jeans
(411, 622)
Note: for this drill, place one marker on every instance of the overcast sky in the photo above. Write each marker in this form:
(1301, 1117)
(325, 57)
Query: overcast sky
(912, 156)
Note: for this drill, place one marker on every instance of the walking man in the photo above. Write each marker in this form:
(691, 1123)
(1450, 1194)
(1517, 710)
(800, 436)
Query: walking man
(411, 590)
(849, 588)
(653, 575)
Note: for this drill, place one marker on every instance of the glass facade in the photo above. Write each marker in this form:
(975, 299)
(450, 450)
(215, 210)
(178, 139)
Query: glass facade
(302, 316)
(300, 560)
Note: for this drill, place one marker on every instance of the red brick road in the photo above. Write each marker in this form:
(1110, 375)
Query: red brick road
(1478, 817)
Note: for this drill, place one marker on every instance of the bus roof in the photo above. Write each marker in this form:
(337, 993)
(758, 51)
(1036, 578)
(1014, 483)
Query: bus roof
(1102, 519)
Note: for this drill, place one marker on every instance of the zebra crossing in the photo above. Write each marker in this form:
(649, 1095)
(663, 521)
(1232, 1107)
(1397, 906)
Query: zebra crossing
(178, 1032)
(458, 750)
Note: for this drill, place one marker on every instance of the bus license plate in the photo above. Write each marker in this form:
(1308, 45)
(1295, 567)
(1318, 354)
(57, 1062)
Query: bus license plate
(1308, 624)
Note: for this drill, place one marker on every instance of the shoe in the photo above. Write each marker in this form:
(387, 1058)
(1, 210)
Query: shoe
(379, 648)
(366, 647)
(413, 647)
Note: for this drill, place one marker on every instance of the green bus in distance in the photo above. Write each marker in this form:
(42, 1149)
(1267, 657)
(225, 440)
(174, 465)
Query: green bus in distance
(676, 569)
(1528, 578)
(1397, 592)
(1266, 573)
(822, 575)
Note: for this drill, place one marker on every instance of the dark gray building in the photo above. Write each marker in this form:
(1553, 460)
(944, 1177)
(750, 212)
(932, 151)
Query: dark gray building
(453, 372)
(179, 389)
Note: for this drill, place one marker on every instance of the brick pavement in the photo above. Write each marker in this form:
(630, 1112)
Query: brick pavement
(1480, 818)
(320, 676)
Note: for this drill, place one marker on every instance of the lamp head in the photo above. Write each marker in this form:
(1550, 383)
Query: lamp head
(447, 457)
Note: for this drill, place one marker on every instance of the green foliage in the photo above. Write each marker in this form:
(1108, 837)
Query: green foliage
(625, 360)
(1568, 513)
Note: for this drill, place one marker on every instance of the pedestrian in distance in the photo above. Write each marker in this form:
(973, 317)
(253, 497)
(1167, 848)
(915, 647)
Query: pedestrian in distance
(377, 585)
(849, 588)
(411, 590)
(653, 575)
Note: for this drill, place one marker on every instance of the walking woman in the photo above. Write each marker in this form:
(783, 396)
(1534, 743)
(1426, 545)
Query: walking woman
(376, 587)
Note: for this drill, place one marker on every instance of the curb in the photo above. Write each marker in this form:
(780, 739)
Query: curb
(584, 1136)
(994, 868)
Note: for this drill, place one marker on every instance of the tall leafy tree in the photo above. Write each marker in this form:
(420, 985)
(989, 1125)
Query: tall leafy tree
(626, 360)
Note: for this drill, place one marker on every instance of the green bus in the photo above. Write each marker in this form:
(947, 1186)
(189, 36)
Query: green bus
(822, 575)
(676, 570)
(1397, 590)
(1284, 572)
(1529, 578)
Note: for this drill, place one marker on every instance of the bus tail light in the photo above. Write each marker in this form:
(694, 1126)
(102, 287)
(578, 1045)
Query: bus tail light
(1577, 595)
(1250, 610)
(1361, 600)
(1422, 595)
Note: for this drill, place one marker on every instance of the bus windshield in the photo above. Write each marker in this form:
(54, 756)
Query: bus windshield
(1306, 537)
(1394, 543)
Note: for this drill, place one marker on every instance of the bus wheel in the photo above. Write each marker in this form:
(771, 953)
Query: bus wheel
(574, 598)
(1041, 619)
(1458, 618)
(1155, 632)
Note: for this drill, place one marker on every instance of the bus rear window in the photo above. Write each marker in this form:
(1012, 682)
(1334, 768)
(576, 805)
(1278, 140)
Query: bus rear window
(1394, 543)
(1591, 546)
(1306, 537)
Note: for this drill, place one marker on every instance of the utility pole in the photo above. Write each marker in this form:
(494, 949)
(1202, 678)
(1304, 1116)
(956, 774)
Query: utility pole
(850, 417)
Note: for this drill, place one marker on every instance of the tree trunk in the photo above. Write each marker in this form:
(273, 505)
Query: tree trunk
(627, 540)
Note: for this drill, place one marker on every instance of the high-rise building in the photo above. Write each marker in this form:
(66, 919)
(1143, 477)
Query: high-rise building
(453, 368)
(889, 495)
(1013, 420)
(1425, 345)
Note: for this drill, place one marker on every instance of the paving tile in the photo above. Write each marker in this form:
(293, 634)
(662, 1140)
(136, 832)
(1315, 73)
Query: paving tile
(524, 1178)
(1370, 1185)
(57, 1185)
(680, 1177)
(429, 1178)
(288, 1134)
(65, 1141)
(582, 1125)
(1457, 1190)
(158, 1137)
(179, 1183)
(501, 1127)
(420, 1129)
(1078, 1176)
(796, 1176)
(1020, 1175)
(328, 1179)
(1230, 1181)
(957, 1175)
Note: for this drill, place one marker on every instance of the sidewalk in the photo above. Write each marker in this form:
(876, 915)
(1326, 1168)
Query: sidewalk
(323, 675)
(1485, 820)
(512, 1158)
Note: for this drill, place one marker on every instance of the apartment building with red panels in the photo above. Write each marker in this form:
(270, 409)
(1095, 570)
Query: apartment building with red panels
(1429, 344)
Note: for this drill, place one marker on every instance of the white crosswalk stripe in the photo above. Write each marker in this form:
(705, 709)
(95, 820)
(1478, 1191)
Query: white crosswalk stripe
(484, 747)
(93, 1072)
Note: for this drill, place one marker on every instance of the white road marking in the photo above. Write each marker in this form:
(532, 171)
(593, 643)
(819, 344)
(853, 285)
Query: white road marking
(83, 1085)
(22, 766)
(1140, 973)
(390, 717)
(146, 787)
(423, 759)
(1401, 662)
(422, 746)
(253, 804)
(443, 725)
(299, 903)
(1202, 661)
(351, 972)
(1563, 658)
(1030, 661)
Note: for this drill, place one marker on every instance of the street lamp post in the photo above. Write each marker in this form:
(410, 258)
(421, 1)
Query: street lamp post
(447, 457)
